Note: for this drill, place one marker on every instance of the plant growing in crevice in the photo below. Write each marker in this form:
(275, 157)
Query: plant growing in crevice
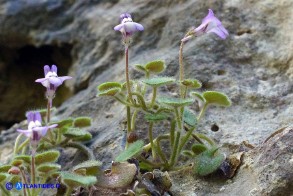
(183, 121)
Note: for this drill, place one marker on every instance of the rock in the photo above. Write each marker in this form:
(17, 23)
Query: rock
(253, 66)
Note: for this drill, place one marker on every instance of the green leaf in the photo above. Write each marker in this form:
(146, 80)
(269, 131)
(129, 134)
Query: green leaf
(82, 122)
(4, 168)
(208, 161)
(198, 96)
(47, 157)
(16, 162)
(155, 117)
(91, 167)
(187, 153)
(198, 148)
(191, 83)
(13, 179)
(155, 66)
(189, 117)
(109, 85)
(25, 158)
(175, 102)
(75, 180)
(140, 68)
(77, 134)
(131, 151)
(48, 167)
(109, 92)
(158, 81)
(3, 176)
(64, 123)
(216, 98)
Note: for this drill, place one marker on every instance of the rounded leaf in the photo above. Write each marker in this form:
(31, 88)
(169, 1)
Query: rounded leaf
(198, 148)
(187, 153)
(90, 167)
(4, 168)
(77, 134)
(208, 161)
(140, 68)
(82, 122)
(75, 180)
(191, 83)
(158, 81)
(216, 98)
(64, 123)
(155, 66)
(189, 117)
(175, 102)
(3, 176)
(198, 96)
(47, 157)
(48, 167)
(109, 92)
(25, 158)
(131, 151)
(155, 117)
(108, 85)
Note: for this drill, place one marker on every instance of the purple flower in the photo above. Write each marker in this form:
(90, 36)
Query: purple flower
(211, 24)
(127, 26)
(35, 129)
(51, 80)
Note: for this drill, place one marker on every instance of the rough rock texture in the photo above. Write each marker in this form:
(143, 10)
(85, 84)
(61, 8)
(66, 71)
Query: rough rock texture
(253, 66)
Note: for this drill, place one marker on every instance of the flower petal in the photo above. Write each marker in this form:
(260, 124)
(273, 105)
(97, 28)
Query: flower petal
(55, 81)
(220, 31)
(27, 133)
(46, 69)
(209, 17)
(63, 78)
(118, 27)
(30, 116)
(41, 130)
(138, 26)
(54, 68)
(41, 80)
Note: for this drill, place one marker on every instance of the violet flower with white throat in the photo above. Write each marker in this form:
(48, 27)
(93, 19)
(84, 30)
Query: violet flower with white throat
(211, 24)
(127, 27)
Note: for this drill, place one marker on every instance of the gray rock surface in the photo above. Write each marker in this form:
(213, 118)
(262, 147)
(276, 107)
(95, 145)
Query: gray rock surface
(253, 66)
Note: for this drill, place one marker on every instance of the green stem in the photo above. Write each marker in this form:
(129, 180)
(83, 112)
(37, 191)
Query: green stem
(33, 171)
(48, 120)
(160, 152)
(197, 138)
(141, 100)
(172, 133)
(128, 113)
(4, 190)
(133, 118)
(81, 147)
(147, 75)
(17, 140)
(122, 101)
(178, 119)
(68, 191)
(150, 131)
(204, 137)
(185, 92)
(202, 112)
(22, 145)
(154, 97)
(24, 182)
(185, 139)
(175, 149)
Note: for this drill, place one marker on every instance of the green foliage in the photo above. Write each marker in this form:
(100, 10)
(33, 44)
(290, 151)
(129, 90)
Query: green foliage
(77, 134)
(47, 157)
(175, 102)
(198, 96)
(189, 117)
(64, 123)
(75, 180)
(109, 85)
(191, 83)
(3, 176)
(158, 81)
(48, 167)
(24, 158)
(216, 98)
(198, 148)
(4, 168)
(82, 122)
(140, 68)
(90, 167)
(132, 150)
(155, 66)
(187, 153)
(155, 117)
(208, 161)
(109, 92)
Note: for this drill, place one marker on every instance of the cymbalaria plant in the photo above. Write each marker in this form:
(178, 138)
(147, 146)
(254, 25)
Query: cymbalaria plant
(183, 121)
(40, 161)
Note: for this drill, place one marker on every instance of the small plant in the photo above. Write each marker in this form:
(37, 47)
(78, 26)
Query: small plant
(183, 121)
(36, 167)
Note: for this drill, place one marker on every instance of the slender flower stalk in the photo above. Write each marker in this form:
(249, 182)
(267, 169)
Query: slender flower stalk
(127, 27)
